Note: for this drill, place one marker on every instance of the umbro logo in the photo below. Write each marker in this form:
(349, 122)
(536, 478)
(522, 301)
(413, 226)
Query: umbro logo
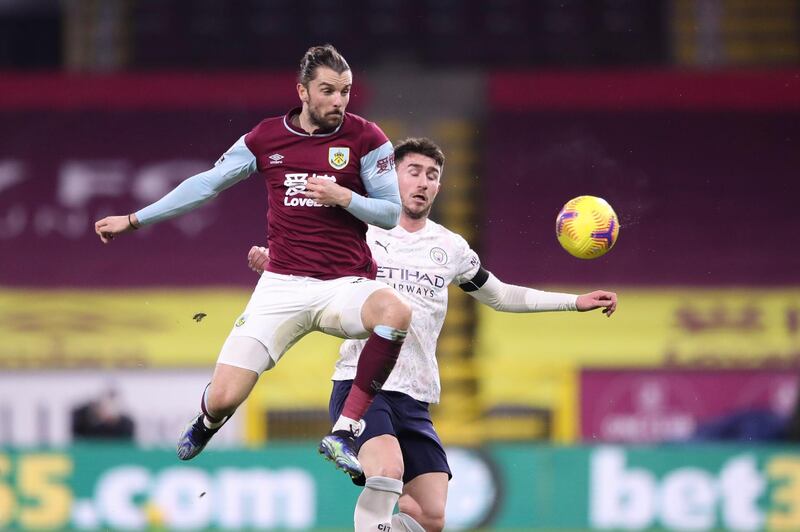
(384, 246)
(276, 158)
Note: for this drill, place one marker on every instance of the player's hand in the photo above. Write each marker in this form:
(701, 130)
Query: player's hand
(258, 258)
(111, 226)
(327, 192)
(598, 299)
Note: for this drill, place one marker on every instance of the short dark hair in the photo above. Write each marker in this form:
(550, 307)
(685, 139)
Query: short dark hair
(317, 56)
(421, 145)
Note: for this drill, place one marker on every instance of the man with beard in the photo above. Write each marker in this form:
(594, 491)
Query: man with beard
(329, 173)
(403, 459)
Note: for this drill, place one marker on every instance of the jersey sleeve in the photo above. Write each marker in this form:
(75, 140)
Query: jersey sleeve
(256, 141)
(469, 264)
(381, 206)
(235, 165)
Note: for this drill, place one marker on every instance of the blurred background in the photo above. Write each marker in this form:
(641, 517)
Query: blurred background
(680, 412)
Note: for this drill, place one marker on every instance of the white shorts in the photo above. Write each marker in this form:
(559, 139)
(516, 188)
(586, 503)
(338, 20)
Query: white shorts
(284, 308)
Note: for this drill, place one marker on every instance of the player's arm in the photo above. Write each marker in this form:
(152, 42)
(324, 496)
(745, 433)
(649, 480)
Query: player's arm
(235, 165)
(491, 291)
(381, 206)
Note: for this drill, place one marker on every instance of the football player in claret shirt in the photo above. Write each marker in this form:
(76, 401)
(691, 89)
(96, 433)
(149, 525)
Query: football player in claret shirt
(329, 173)
(400, 451)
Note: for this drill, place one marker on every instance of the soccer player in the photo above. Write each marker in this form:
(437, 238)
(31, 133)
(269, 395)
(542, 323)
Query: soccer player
(400, 451)
(329, 173)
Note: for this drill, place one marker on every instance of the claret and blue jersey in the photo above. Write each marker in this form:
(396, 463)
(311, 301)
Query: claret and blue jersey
(305, 238)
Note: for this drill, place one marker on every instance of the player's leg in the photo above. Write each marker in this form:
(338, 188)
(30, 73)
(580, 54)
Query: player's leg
(381, 458)
(422, 504)
(230, 385)
(382, 461)
(426, 474)
(362, 308)
(387, 316)
(276, 317)
(241, 361)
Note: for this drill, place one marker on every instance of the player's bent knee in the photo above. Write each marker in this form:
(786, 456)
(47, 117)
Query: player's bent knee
(394, 471)
(386, 307)
(396, 312)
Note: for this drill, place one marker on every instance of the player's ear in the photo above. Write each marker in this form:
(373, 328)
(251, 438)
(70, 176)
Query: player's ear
(302, 92)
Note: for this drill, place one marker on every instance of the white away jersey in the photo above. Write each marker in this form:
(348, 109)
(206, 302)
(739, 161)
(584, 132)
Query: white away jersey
(420, 266)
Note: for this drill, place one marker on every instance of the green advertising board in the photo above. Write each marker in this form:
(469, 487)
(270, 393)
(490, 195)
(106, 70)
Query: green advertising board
(680, 487)
(99, 487)
(503, 487)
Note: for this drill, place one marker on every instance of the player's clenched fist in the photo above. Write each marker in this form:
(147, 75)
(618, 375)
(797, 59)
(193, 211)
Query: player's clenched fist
(327, 192)
(258, 258)
(111, 226)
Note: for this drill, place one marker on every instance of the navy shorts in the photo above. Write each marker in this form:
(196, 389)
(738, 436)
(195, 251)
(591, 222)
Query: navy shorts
(406, 419)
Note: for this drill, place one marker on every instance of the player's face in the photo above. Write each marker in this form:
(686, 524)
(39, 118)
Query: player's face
(326, 97)
(418, 178)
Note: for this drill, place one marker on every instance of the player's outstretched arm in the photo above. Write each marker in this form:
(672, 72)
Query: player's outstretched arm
(236, 164)
(491, 291)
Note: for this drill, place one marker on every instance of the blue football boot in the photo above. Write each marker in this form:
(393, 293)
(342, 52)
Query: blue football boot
(194, 438)
(340, 448)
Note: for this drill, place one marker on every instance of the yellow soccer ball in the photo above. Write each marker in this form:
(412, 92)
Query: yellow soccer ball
(587, 227)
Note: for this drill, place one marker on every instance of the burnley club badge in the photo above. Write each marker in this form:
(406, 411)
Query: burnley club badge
(338, 157)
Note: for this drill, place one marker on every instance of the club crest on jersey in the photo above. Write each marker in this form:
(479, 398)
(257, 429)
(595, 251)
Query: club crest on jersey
(439, 256)
(338, 157)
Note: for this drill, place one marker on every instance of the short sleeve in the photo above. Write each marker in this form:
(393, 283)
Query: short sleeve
(468, 262)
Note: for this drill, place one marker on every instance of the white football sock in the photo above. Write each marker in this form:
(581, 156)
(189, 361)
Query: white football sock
(376, 504)
(345, 423)
(405, 523)
(211, 424)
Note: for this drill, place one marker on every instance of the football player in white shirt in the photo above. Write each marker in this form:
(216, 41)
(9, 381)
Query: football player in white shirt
(403, 459)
